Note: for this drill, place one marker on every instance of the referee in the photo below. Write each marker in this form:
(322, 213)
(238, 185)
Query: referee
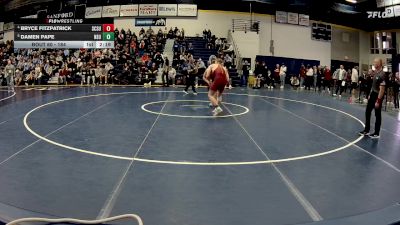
(375, 100)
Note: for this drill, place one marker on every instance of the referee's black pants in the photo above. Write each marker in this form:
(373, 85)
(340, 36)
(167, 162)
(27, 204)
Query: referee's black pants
(378, 113)
(190, 81)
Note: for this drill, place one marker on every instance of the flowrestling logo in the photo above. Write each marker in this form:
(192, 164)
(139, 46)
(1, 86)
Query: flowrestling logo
(389, 12)
(56, 21)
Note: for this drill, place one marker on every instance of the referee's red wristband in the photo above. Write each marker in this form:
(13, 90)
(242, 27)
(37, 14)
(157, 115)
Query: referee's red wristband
(379, 101)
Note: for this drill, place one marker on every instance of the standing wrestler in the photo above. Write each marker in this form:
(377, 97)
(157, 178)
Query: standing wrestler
(217, 77)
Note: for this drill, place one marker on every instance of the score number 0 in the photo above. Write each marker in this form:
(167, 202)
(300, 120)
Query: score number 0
(108, 27)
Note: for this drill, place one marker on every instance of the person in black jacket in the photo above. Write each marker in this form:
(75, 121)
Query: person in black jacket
(245, 69)
(191, 71)
(264, 73)
(158, 60)
(396, 86)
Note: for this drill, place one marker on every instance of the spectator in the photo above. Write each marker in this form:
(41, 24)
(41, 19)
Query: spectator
(354, 80)
(30, 79)
(145, 58)
(396, 86)
(202, 66)
(218, 44)
(159, 60)
(229, 50)
(205, 34)
(320, 78)
(190, 49)
(245, 75)
(309, 77)
(341, 81)
(294, 81)
(171, 34)
(258, 72)
(315, 74)
(103, 75)
(9, 75)
(142, 48)
(228, 61)
(19, 77)
(302, 74)
(276, 77)
(327, 79)
(62, 76)
(282, 75)
(182, 33)
(169, 74)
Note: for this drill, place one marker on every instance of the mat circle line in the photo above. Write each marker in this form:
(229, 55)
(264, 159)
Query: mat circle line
(189, 163)
(246, 110)
(3, 99)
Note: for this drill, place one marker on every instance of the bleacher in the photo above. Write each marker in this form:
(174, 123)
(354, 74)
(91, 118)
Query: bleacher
(235, 78)
(199, 47)
(200, 51)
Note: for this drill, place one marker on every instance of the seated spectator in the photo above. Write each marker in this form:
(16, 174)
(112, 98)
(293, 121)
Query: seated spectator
(190, 48)
(145, 58)
(160, 33)
(91, 77)
(143, 71)
(30, 79)
(63, 74)
(149, 32)
(103, 75)
(121, 38)
(218, 44)
(229, 50)
(258, 72)
(169, 73)
(19, 77)
(97, 73)
(175, 46)
(158, 59)
(142, 48)
(202, 66)
(294, 81)
(182, 59)
(109, 66)
(176, 59)
(142, 31)
(83, 71)
(171, 34)
(209, 45)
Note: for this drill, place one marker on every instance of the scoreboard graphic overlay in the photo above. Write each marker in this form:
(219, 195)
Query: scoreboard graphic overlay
(64, 33)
